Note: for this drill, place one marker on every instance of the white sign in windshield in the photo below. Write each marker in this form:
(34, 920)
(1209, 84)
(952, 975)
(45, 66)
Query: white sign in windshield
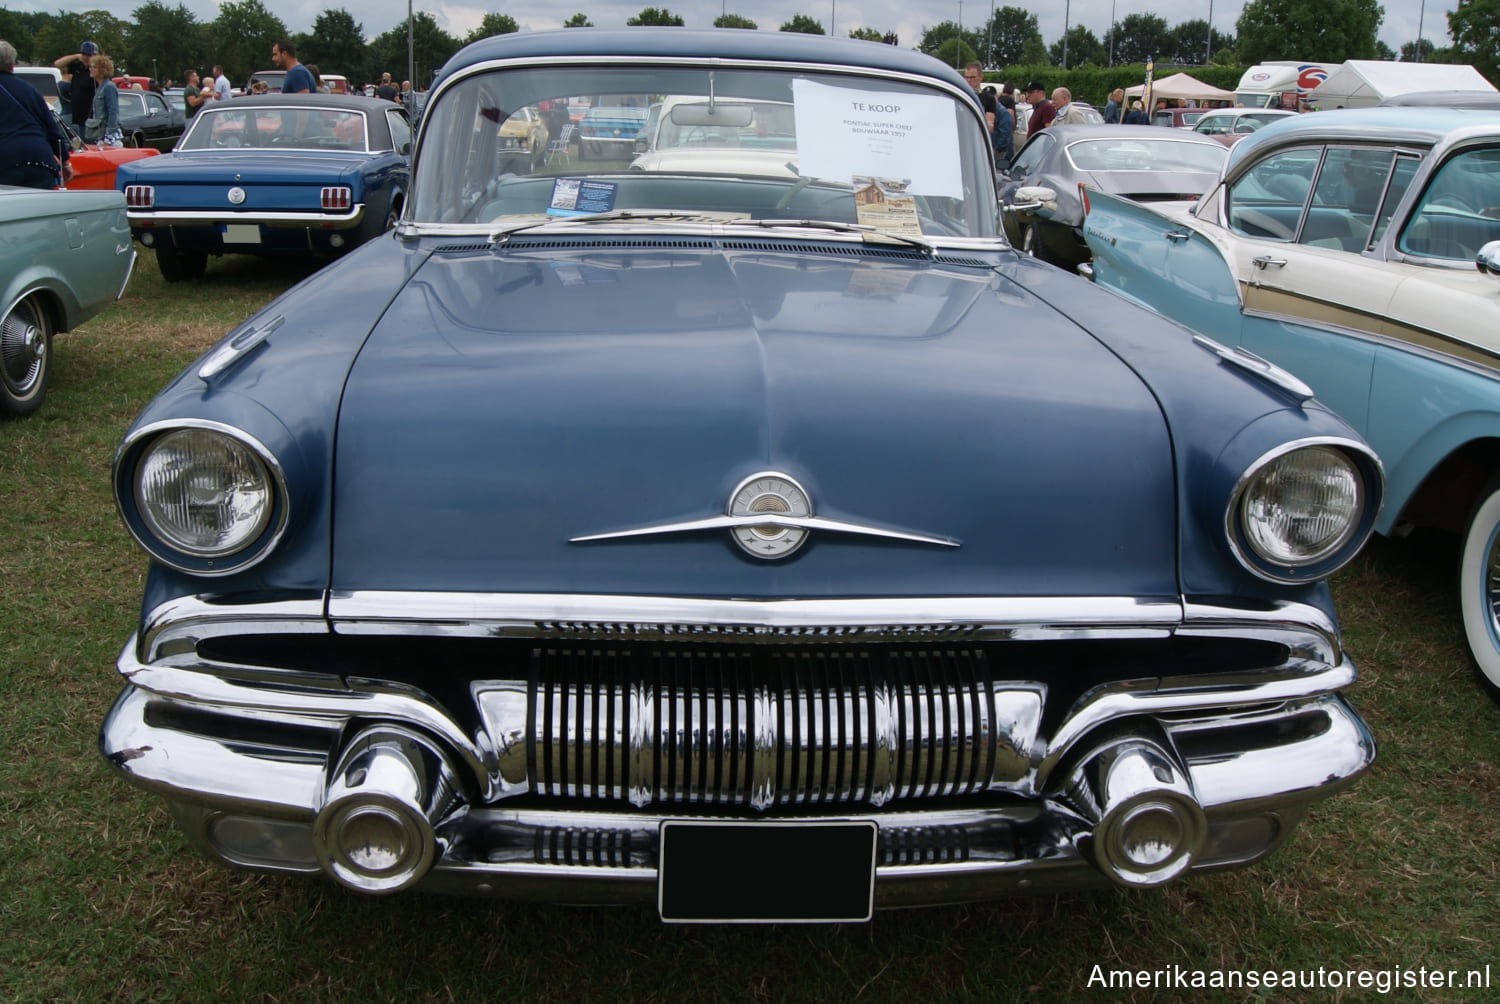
(845, 131)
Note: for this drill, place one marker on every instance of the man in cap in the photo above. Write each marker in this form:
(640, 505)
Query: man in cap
(77, 87)
(1042, 110)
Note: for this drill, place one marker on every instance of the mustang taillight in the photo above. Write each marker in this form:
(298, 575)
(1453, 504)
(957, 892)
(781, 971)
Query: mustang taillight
(140, 196)
(338, 197)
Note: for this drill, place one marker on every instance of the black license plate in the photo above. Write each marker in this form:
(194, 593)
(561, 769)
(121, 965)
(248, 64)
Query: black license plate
(792, 872)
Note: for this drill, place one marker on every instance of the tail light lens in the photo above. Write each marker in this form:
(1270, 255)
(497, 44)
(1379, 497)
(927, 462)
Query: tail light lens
(140, 196)
(338, 198)
(1083, 196)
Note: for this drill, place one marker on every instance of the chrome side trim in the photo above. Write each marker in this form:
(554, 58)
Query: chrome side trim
(206, 217)
(1252, 363)
(129, 271)
(236, 348)
(491, 615)
(768, 519)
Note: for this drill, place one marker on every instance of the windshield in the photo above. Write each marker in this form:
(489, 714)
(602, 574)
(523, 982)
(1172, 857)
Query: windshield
(233, 127)
(717, 143)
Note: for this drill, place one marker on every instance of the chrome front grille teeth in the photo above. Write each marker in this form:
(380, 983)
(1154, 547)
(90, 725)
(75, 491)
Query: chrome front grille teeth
(784, 727)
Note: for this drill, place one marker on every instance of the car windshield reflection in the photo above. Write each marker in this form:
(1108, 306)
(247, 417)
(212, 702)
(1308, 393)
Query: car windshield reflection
(872, 153)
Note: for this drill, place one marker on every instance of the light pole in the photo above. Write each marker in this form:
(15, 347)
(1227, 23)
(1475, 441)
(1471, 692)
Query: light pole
(989, 45)
(1111, 32)
(1421, 14)
(411, 60)
(1067, 14)
(958, 45)
(1208, 46)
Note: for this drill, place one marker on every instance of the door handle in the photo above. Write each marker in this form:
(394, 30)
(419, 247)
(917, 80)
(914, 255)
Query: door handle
(1175, 236)
(1265, 261)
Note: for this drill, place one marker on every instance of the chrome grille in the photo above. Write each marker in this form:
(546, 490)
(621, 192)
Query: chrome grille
(774, 725)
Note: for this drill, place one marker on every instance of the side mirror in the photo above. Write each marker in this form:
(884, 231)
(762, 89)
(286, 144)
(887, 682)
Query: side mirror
(1032, 197)
(1488, 258)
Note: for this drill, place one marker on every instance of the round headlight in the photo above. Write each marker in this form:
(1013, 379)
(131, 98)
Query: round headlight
(1302, 507)
(203, 492)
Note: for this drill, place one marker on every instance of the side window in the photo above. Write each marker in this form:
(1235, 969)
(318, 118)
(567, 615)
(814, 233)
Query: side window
(1406, 169)
(1350, 187)
(1267, 200)
(400, 131)
(1031, 156)
(1459, 212)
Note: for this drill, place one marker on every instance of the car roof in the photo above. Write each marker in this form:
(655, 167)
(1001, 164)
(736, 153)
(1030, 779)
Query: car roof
(348, 102)
(575, 43)
(1105, 130)
(1418, 126)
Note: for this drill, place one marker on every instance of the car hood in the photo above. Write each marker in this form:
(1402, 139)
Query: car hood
(511, 401)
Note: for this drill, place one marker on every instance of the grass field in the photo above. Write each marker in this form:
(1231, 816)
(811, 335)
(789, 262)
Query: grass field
(102, 900)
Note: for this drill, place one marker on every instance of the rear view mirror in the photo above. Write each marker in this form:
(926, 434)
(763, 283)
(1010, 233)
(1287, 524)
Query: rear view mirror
(720, 114)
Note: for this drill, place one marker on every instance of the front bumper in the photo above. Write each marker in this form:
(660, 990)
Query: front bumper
(555, 787)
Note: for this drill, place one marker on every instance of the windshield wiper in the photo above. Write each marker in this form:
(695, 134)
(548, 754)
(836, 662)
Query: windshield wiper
(612, 216)
(865, 231)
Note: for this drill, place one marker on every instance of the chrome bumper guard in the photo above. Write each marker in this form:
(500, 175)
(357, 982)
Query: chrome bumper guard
(381, 787)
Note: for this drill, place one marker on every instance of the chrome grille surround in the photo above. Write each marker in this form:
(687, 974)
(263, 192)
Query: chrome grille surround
(239, 740)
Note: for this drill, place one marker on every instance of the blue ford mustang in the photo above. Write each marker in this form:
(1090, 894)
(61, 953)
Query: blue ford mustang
(280, 173)
(770, 542)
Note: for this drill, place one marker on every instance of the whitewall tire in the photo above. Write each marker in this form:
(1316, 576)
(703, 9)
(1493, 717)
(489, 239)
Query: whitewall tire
(1479, 584)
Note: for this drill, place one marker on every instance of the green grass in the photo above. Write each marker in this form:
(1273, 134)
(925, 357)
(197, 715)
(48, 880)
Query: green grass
(102, 899)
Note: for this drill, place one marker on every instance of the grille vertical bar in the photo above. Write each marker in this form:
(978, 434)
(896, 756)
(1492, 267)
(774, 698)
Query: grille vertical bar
(778, 726)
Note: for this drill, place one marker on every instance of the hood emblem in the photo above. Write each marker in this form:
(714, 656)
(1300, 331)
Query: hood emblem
(236, 195)
(769, 516)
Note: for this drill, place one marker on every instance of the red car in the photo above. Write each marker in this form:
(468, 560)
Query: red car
(93, 165)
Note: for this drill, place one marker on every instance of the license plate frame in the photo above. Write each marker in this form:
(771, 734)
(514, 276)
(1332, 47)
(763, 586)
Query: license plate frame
(240, 233)
(766, 871)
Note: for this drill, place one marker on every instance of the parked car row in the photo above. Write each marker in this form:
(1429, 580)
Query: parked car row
(1343, 246)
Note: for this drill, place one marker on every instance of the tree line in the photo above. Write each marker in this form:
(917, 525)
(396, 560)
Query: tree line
(162, 41)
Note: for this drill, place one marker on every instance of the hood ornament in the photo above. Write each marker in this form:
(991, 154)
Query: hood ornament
(769, 516)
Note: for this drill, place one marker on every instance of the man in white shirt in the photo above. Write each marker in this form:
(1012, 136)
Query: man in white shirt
(221, 84)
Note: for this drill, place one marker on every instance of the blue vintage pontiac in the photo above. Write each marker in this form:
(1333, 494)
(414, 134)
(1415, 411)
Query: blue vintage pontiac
(770, 543)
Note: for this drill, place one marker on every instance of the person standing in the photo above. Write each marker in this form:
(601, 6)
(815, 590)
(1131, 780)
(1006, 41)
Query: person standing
(974, 77)
(33, 153)
(80, 85)
(221, 84)
(1064, 112)
(299, 79)
(1114, 108)
(1042, 110)
(194, 94)
(387, 90)
(106, 108)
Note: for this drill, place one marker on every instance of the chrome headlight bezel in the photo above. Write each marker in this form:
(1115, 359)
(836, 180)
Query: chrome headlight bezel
(174, 553)
(1364, 468)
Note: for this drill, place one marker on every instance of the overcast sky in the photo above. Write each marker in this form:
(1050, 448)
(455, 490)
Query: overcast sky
(908, 18)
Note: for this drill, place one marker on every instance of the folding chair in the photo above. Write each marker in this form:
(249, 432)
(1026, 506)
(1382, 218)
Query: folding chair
(560, 145)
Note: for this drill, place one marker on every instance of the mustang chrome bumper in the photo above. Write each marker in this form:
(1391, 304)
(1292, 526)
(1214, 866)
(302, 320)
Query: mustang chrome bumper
(554, 785)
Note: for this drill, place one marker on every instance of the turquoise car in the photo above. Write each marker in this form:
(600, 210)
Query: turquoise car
(64, 256)
(1361, 251)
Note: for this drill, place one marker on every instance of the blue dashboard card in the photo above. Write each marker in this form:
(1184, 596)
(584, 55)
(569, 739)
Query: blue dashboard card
(580, 197)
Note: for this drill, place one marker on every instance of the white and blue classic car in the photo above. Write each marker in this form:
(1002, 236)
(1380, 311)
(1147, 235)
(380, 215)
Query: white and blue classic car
(271, 175)
(1361, 251)
(767, 544)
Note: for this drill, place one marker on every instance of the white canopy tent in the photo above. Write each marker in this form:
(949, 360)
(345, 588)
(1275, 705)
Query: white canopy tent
(1363, 83)
(1180, 85)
